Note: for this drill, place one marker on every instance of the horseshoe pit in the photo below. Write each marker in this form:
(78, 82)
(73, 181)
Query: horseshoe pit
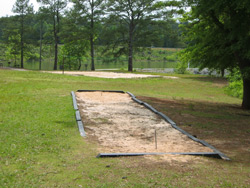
(123, 127)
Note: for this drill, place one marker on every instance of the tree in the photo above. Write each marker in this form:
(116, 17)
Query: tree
(22, 8)
(131, 14)
(165, 33)
(90, 11)
(74, 52)
(218, 37)
(135, 21)
(55, 8)
(13, 46)
(76, 43)
(8, 27)
(41, 17)
(11, 38)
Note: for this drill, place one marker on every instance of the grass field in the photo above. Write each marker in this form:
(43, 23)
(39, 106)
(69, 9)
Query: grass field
(40, 145)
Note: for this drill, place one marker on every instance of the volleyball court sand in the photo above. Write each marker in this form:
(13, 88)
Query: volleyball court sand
(105, 74)
(120, 125)
(113, 75)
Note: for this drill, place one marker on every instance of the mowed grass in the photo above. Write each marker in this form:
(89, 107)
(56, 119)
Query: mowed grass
(40, 145)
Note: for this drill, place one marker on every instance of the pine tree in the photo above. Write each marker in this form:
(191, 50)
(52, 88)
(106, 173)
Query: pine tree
(55, 8)
(22, 8)
(133, 16)
(90, 11)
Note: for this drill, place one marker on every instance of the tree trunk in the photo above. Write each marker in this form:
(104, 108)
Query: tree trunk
(22, 46)
(130, 48)
(92, 37)
(244, 65)
(222, 73)
(246, 94)
(80, 64)
(55, 60)
(21, 53)
(56, 45)
(92, 52)
(40, 59)
(69, 63)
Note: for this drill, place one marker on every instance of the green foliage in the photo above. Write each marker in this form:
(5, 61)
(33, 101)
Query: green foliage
(217, 39)
(76, 42)
(235, 87)
(75, 24)
(23, 9)
(131, 24)
(32, 55)
(89, 14)
(71, 55)
(54, 10)
(13, 47)
(181, 68)
(172, 57)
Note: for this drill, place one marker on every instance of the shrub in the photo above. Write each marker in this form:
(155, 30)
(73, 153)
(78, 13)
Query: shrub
(235, 87)
(172, 57)
(181, 68)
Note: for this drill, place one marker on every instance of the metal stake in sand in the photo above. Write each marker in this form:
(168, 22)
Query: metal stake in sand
(155, 140)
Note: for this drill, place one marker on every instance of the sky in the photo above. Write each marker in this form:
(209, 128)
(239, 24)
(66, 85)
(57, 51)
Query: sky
(6, 7)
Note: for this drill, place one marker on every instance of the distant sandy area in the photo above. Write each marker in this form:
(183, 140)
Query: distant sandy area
(108, 74)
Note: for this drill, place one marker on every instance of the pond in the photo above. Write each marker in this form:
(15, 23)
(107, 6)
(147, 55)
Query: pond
(99, 64)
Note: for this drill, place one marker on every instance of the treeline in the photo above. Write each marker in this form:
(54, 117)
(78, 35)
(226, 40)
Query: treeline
(117, 28)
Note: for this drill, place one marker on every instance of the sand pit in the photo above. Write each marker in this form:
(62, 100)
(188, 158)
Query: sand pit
(113, 75)
(120, 125)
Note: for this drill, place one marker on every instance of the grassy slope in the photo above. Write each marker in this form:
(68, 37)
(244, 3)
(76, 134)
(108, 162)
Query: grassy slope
(40, 144)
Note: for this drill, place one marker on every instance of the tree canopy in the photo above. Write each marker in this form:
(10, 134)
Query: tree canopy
(120, 27)
(22, 8)
(90, 13)
(217, 32)
(55, 8)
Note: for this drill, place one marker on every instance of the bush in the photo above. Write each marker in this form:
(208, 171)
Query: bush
(172, 57)
(181, 68)
(235, 87)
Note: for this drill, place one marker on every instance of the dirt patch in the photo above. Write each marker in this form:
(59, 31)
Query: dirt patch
(122, 126)
(105, 74)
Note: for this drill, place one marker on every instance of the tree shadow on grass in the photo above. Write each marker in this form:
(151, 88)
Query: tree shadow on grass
(225, 126)
(211, 79)
(67, 124)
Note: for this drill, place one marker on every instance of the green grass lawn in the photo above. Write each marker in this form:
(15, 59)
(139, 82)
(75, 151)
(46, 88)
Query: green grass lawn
(40, 145)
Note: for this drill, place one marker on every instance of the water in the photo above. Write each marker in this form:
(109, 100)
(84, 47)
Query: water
(99, 64)
(144, 66)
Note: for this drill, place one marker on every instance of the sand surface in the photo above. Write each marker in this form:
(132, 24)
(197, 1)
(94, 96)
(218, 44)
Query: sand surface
(105, 74)
(113, 75)
(120, 125)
